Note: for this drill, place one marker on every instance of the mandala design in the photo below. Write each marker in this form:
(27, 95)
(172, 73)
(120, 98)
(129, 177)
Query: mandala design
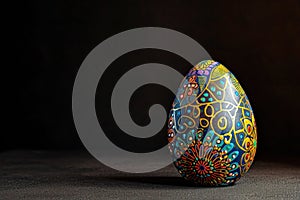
(212, 131)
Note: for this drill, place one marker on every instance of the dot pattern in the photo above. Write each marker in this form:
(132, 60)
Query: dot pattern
(211, 129)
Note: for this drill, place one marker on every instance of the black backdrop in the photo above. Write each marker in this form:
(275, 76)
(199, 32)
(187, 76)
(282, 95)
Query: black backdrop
(257, 40)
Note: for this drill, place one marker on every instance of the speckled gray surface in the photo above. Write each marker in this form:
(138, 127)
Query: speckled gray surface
(76, 175)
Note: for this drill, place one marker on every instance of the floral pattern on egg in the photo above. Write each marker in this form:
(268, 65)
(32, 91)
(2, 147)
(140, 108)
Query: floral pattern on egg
(211, 129)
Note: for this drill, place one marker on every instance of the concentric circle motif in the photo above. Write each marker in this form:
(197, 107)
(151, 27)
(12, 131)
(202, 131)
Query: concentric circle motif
(212, 131)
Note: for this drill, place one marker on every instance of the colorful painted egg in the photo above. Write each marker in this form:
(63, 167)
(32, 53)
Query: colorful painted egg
(212, 131)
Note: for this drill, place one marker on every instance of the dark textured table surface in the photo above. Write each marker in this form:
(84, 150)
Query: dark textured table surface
(76, 175)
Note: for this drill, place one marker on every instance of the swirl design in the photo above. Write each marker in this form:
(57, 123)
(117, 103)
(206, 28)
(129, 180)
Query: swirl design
(213, 136)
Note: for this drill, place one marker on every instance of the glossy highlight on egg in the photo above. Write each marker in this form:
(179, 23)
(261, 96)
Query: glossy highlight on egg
(212, 132)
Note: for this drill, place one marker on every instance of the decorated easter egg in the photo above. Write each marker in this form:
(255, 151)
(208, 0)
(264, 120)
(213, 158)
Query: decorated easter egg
(211, 129)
